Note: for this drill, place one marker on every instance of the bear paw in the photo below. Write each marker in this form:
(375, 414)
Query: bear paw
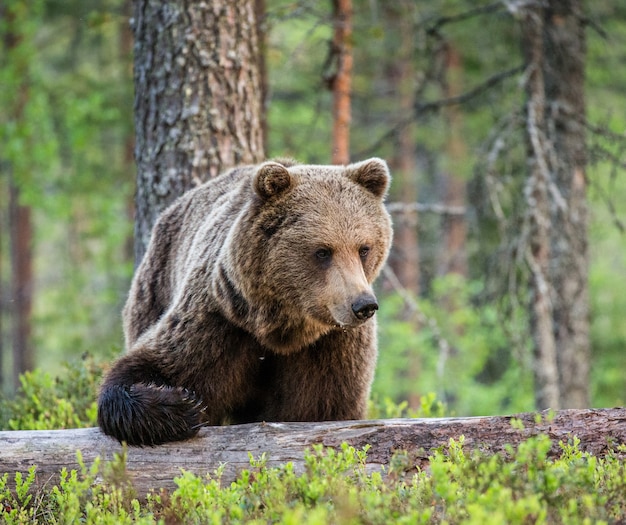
(149, 414)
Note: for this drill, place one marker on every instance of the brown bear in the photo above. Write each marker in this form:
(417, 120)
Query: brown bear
(252, 303)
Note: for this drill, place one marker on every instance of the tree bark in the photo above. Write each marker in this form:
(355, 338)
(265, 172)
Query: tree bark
(21, 229)
(19, 214)
(4, 227)
(404, 258)
(342, 81)
(453, 255)
(405, 255)
(261, 31)
(564, 83)
(155, 468)
(538, 209)
(554, 43)
(197, 98)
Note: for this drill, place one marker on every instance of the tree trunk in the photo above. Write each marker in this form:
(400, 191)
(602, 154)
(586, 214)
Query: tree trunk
(197, 98)
(564, 84)
(229, 446)
(404, 258)
(342, 81)
(21, 230)
(20, 215)
(453, 256)
(4, 227)
(554, 44)
(537, 197)
(261, 31)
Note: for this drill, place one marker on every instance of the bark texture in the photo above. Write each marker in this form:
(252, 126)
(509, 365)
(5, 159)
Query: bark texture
(197, 98)
(453, 255)
(554, 44)
(405, 256)
(155, 468)
(21, 230)
(20, 224)
(564, 83)
(538, 206)
(341, 84)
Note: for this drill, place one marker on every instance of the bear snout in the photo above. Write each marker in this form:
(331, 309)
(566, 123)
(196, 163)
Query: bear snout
(364, 306)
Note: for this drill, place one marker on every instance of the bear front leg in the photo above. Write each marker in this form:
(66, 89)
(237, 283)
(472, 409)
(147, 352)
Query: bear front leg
(327, 381)
(136, 405)
(192, 368)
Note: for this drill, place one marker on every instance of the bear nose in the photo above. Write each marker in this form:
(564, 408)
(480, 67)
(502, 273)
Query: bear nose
(364, 307)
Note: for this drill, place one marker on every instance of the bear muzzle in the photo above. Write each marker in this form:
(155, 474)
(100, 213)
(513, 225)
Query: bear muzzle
(364, 306)
(354, 312)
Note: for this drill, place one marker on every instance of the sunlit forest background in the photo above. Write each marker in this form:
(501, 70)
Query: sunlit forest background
(458, 327)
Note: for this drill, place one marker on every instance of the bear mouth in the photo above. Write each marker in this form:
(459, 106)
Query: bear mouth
(344, 319)
(348, 326)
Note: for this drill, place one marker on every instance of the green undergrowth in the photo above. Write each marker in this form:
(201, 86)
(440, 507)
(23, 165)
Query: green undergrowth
(524, 486)
(46, 402)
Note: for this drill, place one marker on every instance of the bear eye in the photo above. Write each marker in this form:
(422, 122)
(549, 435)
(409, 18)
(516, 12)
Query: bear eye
(363, 251)
(323, 254)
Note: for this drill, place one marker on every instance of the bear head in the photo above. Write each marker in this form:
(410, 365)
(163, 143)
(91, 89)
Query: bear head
(305, 253)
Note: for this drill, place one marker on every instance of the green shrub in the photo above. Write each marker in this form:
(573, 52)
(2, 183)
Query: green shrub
(525, 485)
(387, 408)
(44, 402)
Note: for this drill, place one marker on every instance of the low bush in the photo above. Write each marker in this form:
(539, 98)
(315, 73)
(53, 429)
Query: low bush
(523, 486)
(44, 402)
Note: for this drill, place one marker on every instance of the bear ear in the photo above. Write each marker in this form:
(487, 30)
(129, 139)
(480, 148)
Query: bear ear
(272, 179)
(372, 174)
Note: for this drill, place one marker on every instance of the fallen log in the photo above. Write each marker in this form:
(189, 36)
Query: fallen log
(599, 431)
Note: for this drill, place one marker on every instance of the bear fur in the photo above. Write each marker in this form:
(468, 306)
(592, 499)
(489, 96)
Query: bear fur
(253, 302)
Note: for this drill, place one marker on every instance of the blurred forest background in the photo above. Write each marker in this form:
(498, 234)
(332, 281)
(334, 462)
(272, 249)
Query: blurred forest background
(445, 91)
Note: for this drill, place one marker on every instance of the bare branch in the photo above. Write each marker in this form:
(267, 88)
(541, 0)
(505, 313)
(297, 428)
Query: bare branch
(418, 207)
(492, 151)
(465, 15)
(425, 107)
(603, 131)
(421, 108)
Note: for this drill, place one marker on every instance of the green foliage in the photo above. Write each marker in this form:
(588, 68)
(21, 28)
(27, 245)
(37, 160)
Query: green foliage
(525, 485)
(605, 84)
(16, 505)
(81, 213)
(100, 494)
(296, 51)
(475, 371)
(530, 487)
(44, 402)
(66, 128)
(25, 124)
(387, 408)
